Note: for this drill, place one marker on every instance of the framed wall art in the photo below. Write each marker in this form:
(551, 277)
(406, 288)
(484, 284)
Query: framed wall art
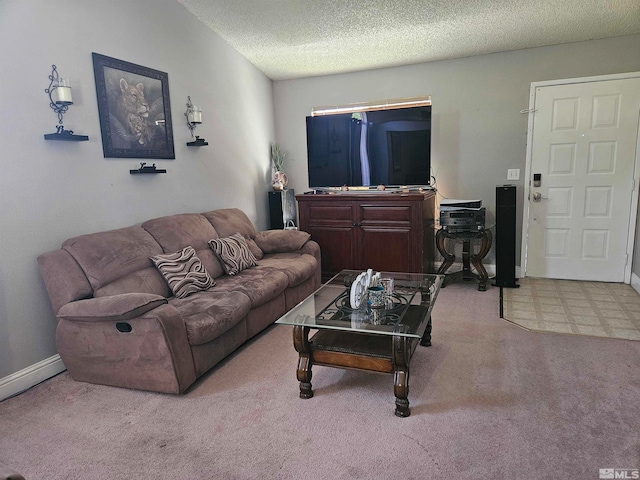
(134, 109)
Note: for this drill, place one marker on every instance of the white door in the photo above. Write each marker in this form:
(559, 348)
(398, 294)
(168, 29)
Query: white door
(584, 146)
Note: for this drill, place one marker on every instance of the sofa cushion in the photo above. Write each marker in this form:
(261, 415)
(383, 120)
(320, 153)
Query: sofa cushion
(274, 241)
(109, 256)
(261, 286)
(297, 267)
(207, 315)
(174, 232)
(64, 279)
(233, 253)
(184, 272)
(228, 221)
(147, 280)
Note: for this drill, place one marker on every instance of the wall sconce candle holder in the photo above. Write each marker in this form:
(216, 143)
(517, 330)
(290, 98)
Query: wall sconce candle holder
(194, 118)
(59, 92)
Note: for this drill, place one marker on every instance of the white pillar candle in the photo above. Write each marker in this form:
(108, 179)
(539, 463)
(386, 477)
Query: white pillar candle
(61, 93)
(195, 116)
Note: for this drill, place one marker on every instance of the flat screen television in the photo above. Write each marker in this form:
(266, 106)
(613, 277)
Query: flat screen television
(367, 149)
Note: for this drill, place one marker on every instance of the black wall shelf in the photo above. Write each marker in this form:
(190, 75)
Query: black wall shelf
(199, 142)
(66, 136)
(146, 170)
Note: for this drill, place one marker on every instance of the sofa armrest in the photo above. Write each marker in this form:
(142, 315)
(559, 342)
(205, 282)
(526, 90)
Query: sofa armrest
(277, 241)
(118, 308)
(312, 248)
(151, 353)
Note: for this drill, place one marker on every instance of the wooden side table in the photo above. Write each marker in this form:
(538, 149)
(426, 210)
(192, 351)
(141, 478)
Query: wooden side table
(465, 236)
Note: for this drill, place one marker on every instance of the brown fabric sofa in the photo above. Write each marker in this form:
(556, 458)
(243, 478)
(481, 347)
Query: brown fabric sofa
(119, 323)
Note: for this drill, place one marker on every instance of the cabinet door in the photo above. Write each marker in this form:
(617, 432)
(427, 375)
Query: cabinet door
(331, 224)
(336, 247)
(386, 249)
(389, 237)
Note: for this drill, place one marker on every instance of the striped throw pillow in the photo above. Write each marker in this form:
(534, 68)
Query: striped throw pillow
(233, 253)
(184, 272)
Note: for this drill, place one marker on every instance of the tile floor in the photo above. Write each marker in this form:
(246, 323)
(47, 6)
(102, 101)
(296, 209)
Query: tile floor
(581, 308)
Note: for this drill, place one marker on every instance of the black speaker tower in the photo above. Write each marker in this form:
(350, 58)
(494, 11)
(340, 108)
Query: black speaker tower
(282, 208)
(505, 240)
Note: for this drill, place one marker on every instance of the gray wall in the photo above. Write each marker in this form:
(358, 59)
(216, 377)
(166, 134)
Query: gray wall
(50, 191)
(478, 130)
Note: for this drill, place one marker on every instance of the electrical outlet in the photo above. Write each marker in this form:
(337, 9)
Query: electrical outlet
(513, 174)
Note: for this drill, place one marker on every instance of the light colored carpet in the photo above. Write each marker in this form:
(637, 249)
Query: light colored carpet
(489, 400)
(582, 308)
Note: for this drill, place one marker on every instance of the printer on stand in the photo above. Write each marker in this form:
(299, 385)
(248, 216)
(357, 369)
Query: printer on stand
(462, 215)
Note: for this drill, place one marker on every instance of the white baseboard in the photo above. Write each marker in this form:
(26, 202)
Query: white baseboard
(635, 282)
(30, 376)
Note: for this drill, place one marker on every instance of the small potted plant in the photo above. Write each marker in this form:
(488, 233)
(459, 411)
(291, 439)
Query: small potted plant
(277, 160)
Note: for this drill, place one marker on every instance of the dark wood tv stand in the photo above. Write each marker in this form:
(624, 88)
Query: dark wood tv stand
(391, 232)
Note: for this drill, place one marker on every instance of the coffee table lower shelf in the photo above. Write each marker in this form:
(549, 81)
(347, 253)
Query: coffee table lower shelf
(370, 352)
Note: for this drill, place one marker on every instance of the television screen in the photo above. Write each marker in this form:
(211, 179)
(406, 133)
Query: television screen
(380, 147)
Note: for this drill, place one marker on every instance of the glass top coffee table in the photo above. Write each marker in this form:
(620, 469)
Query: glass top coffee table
(381, 339)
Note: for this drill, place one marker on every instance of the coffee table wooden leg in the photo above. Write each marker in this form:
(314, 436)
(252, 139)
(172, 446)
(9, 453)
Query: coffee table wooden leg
(401, 353)
(303, 373)
(401, 391)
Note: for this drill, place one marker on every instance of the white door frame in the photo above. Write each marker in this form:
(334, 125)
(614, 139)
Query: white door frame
(527, 183)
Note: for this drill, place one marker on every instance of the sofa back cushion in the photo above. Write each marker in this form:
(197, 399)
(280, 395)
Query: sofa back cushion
(175, 232)
(276, 241)
(228, 221)
(64, 279)
(118, 261)
(147, 280)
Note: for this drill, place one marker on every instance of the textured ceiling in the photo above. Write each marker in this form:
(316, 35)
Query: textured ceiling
(303, 38)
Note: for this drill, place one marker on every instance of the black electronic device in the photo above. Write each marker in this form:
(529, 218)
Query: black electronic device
(380, 147)
(537, 179)
(282, 209)
(505, 237)
(463, 219)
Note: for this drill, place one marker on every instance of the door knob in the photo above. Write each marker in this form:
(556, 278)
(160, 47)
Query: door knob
(537, 197)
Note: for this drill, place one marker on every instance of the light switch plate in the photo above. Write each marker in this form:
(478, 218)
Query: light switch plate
(513, 174)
